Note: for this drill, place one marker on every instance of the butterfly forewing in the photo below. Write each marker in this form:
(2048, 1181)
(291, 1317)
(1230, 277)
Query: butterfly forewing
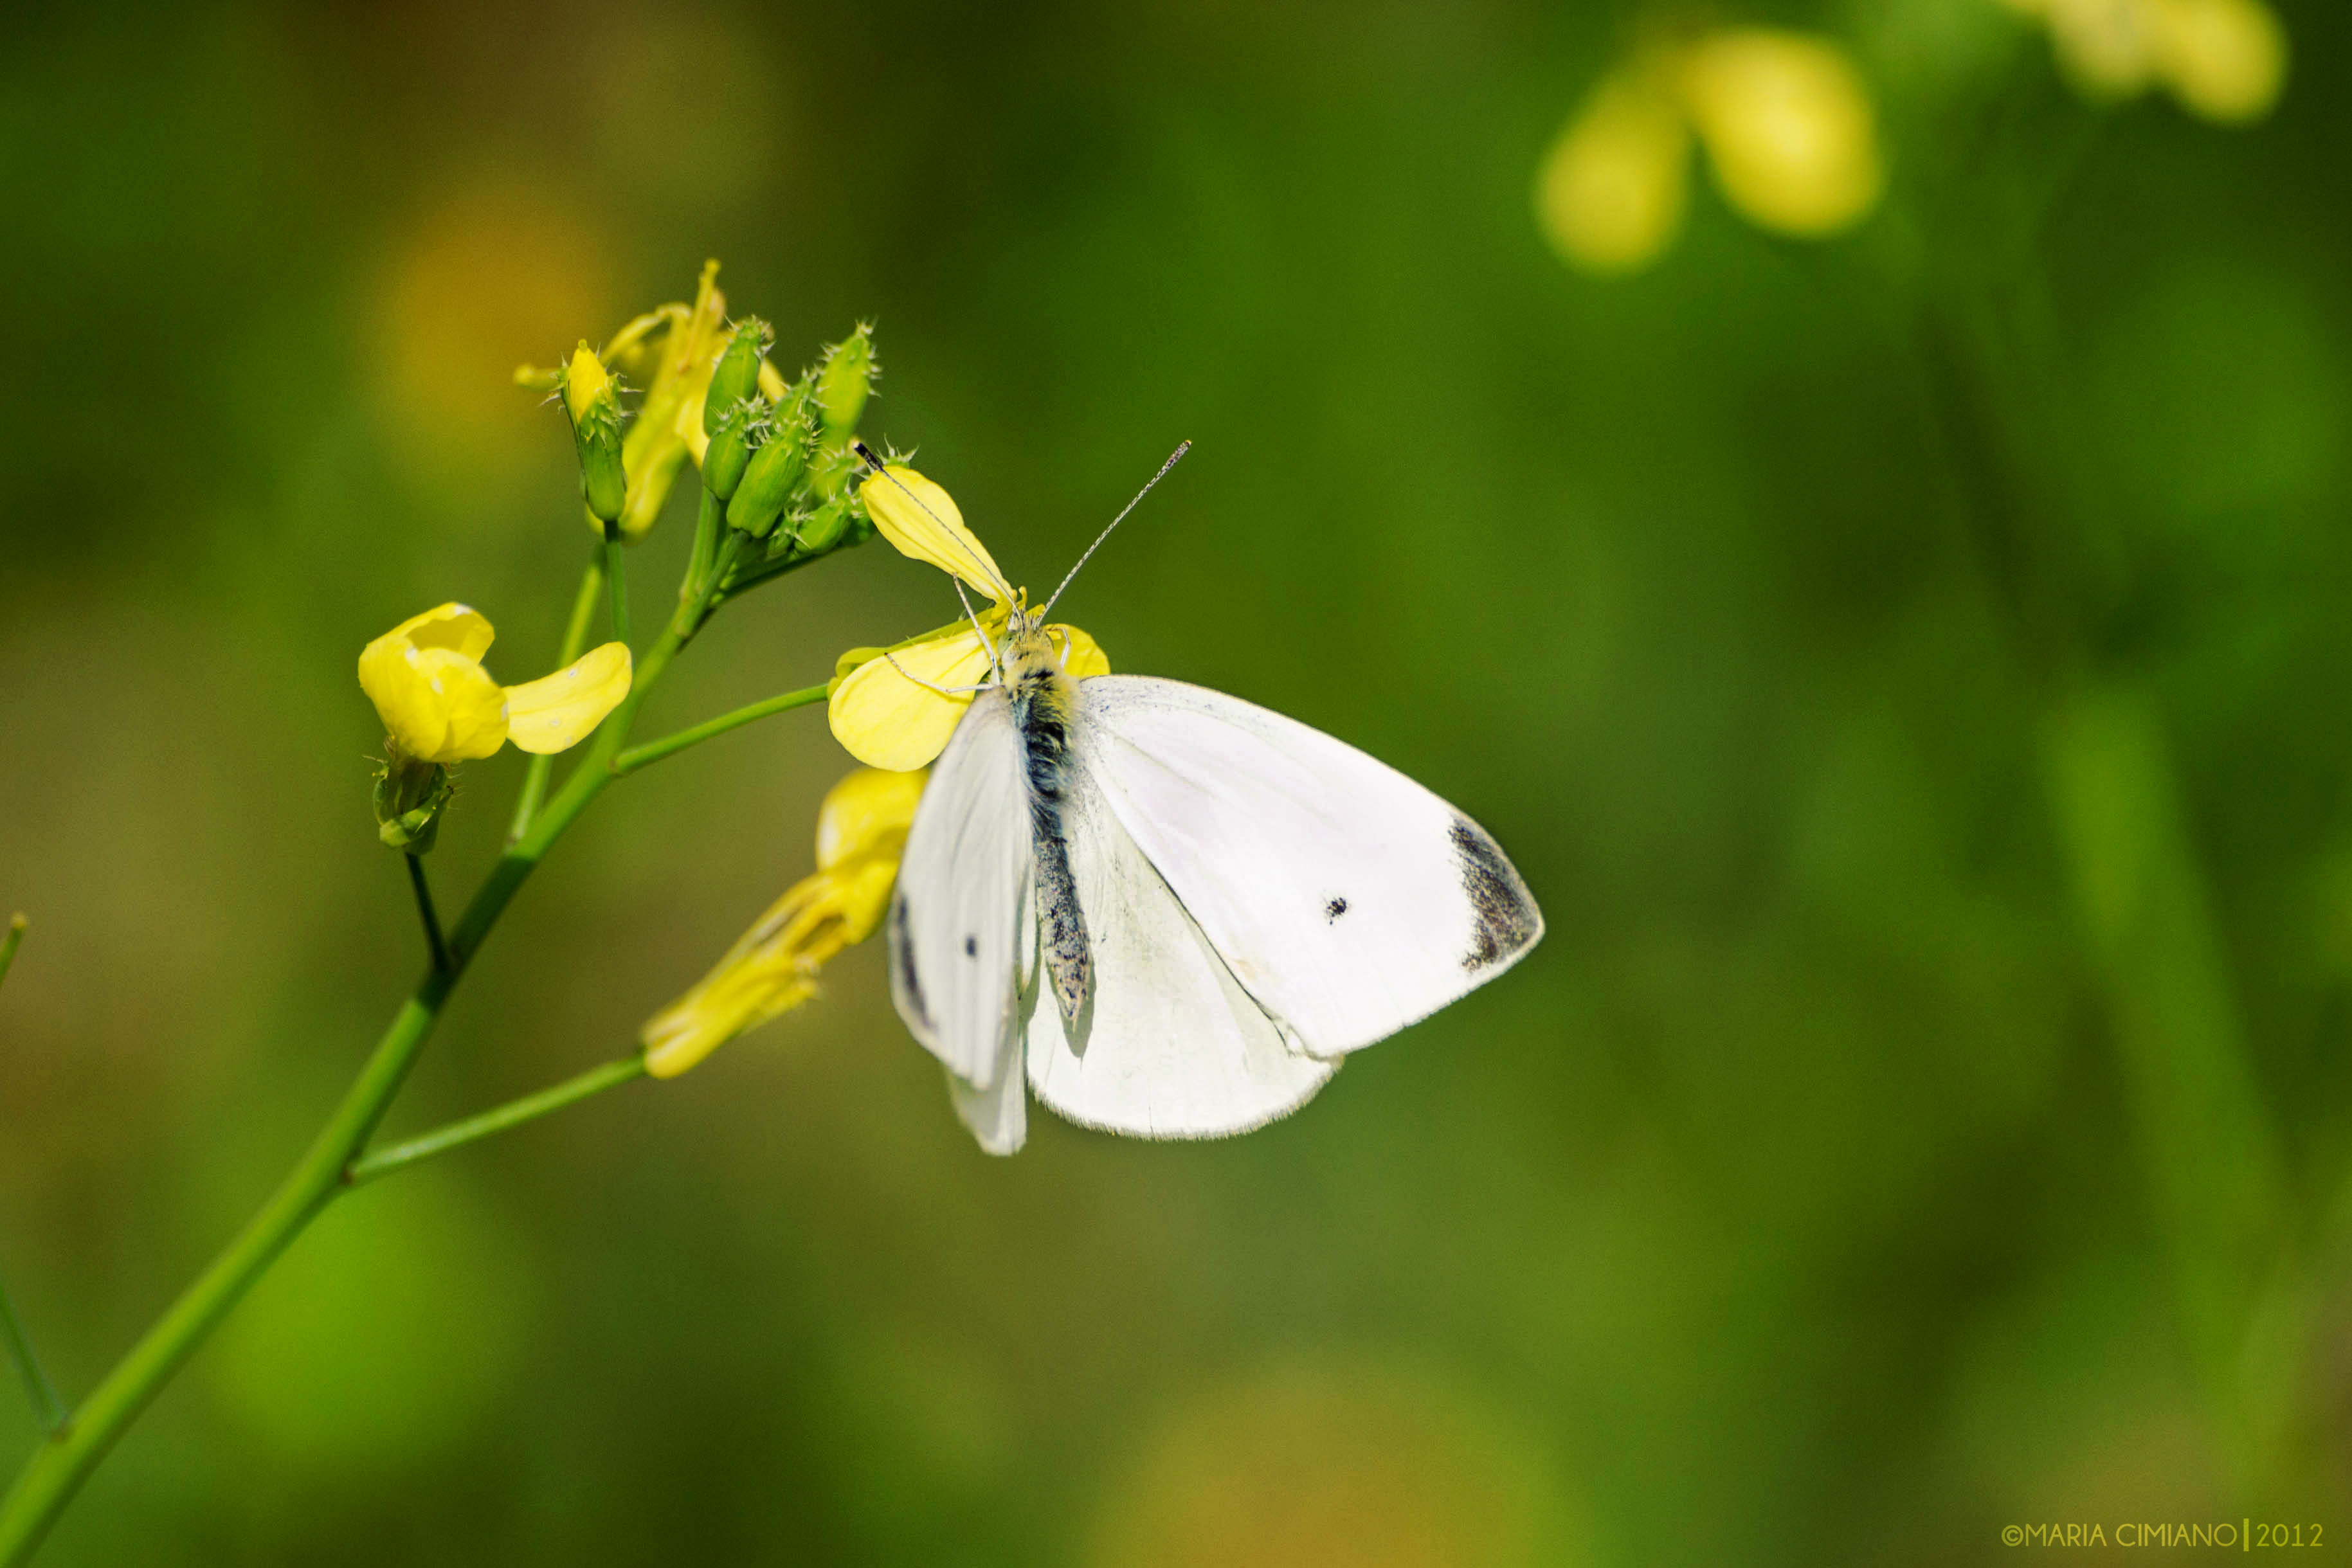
(1343, 896)
(955, 919)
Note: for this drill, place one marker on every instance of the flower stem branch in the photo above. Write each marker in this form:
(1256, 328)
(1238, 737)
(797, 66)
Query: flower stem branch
(497, 1119)
(426, 913)
(47, 1408)
(61, 1465)
(575, 643)
(616, 576)
(637, 757)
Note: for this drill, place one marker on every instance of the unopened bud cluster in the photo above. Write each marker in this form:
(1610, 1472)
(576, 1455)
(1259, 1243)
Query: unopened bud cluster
(778, 459)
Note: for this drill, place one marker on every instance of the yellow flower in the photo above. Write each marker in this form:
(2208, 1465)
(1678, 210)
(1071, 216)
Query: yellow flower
(1785, 120)
(1610, 193)
(438, 705)
(1788, 126)
(895, 707)
(861, 831)
(2223, 60)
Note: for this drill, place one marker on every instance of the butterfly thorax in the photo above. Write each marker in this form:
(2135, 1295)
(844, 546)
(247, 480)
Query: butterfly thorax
(1045, 702)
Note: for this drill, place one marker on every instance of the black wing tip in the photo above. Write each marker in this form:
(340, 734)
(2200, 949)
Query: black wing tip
(1504, 921)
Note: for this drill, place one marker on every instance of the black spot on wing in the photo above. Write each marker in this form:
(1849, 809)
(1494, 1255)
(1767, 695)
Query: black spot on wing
(902, 949)
(972, 946)
(1503, 914)
(1333, 910)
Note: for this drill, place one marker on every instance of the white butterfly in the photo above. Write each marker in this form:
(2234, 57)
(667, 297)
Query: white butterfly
(1171, 912)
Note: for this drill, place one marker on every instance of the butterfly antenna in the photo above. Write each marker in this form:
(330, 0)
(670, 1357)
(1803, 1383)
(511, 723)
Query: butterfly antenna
(1173, 458)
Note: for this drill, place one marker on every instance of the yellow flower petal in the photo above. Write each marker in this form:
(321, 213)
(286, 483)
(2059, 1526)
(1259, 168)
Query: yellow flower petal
(1081, 654)
(886, 720)
(1610, 193)
(2226, 59)
(2107, 47)
(867, 814)
(919, 519)
(556, 712)
(768, 971)
(425, 679)
(1788, 126)
(471, 709)
(772, 967)
(457, 627)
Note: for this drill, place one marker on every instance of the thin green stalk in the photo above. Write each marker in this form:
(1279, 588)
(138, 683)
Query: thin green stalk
(61, 1465)
(434, 947)
(575, 641)
(47, 1408)
(637, 757)
(513, 1113)
(616, 576)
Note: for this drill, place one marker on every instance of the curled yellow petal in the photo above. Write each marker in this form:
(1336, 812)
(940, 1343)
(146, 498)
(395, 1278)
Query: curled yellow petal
(867, 814)
(772, 967)
(885, 713)
(920, 520)
(1788, 126)
(1611, 189)
(1081, 654)
(556, 712)
(424, 677)
(765, 973)
(459, 628)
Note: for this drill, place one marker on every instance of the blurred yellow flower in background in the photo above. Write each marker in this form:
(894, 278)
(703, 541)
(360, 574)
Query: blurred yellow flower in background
(2224, 60)
(1788, 126)
(1785, 121)
(861, 830)
(439, 705)
(1609, 195)
(895, 707)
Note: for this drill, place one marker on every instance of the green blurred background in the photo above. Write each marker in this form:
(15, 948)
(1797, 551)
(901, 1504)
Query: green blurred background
(1910, 668)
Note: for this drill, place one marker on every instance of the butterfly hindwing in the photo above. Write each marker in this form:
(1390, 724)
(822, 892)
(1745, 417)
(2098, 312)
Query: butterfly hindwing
(1345, 898)
(956, 919)
(1167, 1045)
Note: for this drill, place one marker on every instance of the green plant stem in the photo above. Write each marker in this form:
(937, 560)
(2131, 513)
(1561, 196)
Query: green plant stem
(497, 1119)
(637, 757)
(47, 1408)
(617, 577)
(434, 947)
(10, 943)
(575, 643)
(65, 1459)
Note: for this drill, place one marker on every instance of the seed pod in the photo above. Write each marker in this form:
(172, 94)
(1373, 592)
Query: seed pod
(768, 483)
(844, 384)
(824, 529)
(740, 430)
(736, 374)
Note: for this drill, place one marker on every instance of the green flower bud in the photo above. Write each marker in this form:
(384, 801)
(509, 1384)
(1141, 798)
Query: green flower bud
(848, 378)
(742, 428)
(824, 531)
(589, 397)
(736, 374)
(768, 482)
(410, 796)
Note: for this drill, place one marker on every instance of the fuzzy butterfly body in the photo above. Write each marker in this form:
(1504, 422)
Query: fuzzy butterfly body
(1170, 912)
